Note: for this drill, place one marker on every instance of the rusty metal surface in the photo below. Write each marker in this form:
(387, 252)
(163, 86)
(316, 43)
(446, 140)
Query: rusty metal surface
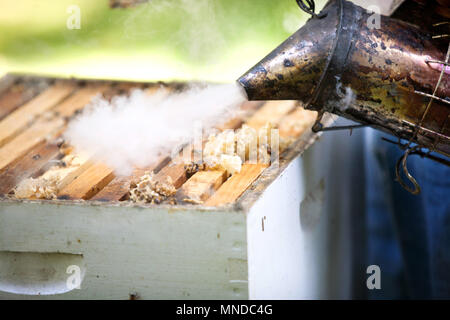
(371, 77)
(423, 15)
(292, 71)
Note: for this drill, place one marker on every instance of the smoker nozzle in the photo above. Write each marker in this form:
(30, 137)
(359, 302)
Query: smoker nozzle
(293, 70)
(343, 65)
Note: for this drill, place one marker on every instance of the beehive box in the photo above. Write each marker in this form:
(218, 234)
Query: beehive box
(238, 242)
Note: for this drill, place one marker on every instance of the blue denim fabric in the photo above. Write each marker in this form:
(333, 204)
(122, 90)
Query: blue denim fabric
(408, 236)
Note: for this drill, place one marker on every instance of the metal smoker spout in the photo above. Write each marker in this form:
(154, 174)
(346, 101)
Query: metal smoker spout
(394, 78)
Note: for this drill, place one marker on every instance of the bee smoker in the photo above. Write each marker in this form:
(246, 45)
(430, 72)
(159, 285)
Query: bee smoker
(394, 78)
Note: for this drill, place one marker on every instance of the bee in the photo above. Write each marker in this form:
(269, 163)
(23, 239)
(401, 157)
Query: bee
(192, 168)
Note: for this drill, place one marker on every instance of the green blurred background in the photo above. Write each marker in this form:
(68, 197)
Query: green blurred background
(214, 40)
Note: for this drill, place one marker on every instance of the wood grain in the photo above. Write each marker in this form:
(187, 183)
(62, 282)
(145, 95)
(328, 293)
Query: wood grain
(236, 185)
(16, 121)
(37, 134)
(28, 139)
(79, 100)
(17, 95)
(88, 183)
(43, 128)
(175, 172)
(72, 172)
(118, 188)
(201, 185)
(28, 165)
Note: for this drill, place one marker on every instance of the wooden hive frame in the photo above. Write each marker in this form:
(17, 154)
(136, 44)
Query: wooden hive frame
(207, 251)
(34, 113)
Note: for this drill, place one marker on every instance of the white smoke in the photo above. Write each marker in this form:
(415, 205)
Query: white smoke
(133, 131)
(346, 95)
(195, 34)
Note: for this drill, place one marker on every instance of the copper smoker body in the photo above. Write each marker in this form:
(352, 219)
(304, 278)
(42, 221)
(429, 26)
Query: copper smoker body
(339, 64)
